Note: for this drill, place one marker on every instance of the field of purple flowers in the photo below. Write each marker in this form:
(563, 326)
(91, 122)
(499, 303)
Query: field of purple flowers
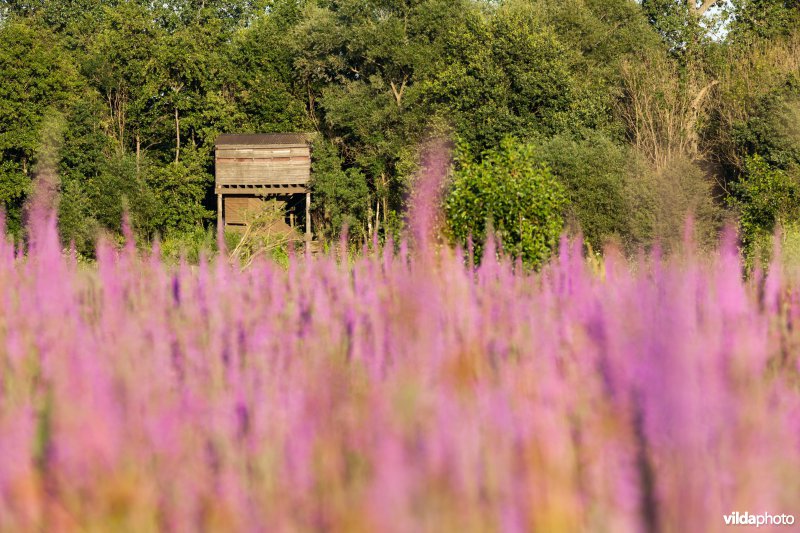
(396, 393)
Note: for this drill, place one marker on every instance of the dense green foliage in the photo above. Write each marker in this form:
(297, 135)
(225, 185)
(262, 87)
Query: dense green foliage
(766, 196)
(37, 79)
(643, 111)
(765, 19)
(508, 194)
(342, 196)
(594, 172)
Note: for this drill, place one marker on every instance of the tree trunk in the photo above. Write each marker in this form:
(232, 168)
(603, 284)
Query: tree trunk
(693, 115)
(308, 222)
(138, 153)
(311, 104)
(220, 221)
(377, 215)
(177, 136)
(385, 197)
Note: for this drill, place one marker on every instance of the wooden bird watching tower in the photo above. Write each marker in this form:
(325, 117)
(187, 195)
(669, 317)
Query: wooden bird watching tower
(252, 168)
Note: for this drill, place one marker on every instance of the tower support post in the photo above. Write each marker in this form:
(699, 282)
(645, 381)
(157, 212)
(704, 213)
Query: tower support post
(220, 220)
(308, 219)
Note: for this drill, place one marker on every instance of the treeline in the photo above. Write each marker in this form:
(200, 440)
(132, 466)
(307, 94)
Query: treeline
(611, 116)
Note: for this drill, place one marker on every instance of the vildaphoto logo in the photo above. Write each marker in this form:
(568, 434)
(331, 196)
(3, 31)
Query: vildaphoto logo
(758, 520)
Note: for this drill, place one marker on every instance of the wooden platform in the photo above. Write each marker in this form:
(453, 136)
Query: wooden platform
(253, 166)
(261, 160)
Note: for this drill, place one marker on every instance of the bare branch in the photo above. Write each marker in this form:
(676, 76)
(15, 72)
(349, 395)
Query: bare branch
(398, 93)
(702, 94)
(701, 10)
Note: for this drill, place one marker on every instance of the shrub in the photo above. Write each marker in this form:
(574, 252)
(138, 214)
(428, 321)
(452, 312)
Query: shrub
(509, 191)
(341, 197)
(118, 188)
(266, 235)
(594, 172)
(177, 191)
(683, 190)
(764, 196)
(75, 226)
(772, 131)
(189, 245)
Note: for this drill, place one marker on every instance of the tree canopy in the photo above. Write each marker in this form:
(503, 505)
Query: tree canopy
(613, 95)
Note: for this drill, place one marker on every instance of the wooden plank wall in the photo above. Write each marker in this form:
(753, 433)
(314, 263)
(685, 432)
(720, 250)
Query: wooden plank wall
(253, 165)
(241, 210)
